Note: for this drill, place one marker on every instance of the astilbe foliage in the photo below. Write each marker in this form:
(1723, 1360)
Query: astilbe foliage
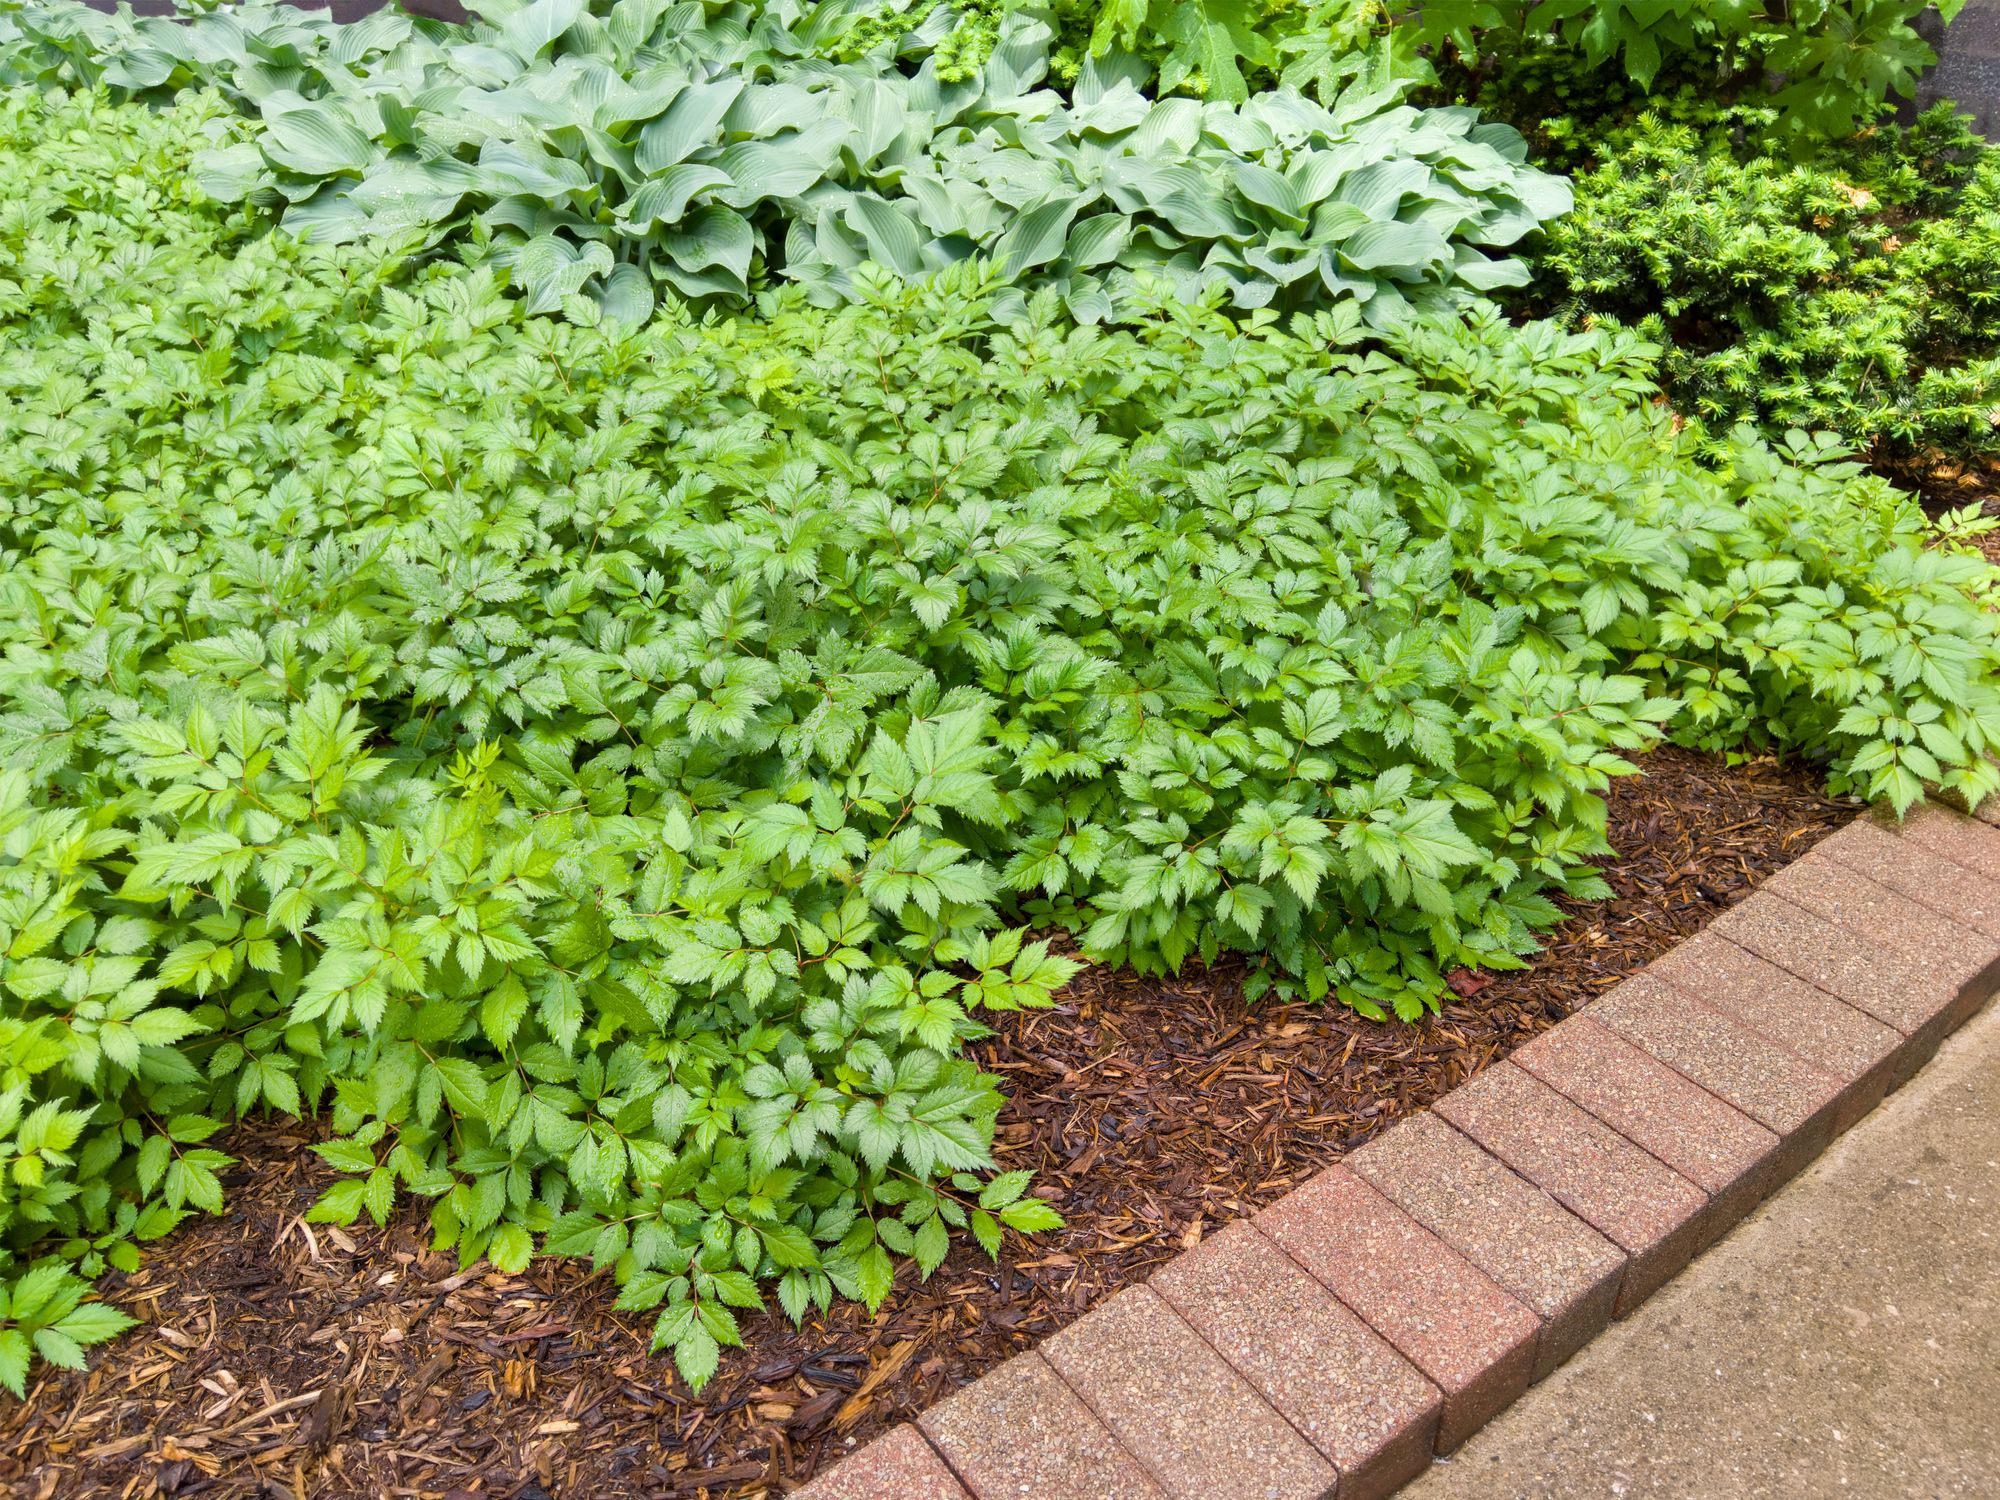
(607, 770)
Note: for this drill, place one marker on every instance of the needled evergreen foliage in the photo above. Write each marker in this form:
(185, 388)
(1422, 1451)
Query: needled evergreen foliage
(609, 771)
(1857, 293)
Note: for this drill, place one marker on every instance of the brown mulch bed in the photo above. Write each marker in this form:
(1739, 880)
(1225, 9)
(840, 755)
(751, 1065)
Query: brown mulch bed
(1940, 480)
(279, 1359)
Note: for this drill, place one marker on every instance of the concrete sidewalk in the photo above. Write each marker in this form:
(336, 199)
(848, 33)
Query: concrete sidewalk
(1843, 1341)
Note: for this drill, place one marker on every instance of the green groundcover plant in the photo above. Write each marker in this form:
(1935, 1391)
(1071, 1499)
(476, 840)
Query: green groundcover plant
(609, 771)
(1857, 293)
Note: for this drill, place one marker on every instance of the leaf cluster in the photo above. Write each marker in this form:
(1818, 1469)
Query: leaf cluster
(609, 771)
(1856, 292)
(713, 150)
(1824, 67)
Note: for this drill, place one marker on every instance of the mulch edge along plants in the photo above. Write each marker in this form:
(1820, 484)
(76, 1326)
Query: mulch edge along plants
(331, 1362)
(1535, 1203)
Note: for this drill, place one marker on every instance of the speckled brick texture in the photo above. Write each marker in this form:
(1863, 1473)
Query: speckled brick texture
(1533, 1247)
(1771, 1084)
(1446, 1315)
(1941, 970)
(1019, 1431)
(900, 1465)
(1962, 840)
(1826, 1032)
(1923, 999)
(1906, 867)
(1367, 1409)
(1198, 1426)
(1655, 1215)
(1393, 1303)
(1843, 895)
(1715, 1146)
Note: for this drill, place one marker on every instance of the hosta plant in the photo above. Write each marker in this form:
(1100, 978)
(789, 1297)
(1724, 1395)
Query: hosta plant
(710, 151)
(609, 772)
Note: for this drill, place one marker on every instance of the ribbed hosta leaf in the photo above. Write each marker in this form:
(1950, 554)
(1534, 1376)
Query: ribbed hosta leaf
(720, 150)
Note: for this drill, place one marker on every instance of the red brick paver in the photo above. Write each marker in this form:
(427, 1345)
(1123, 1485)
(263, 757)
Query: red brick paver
(1828, 1033)
(1394, 1302)
(1650, 1211)
(1352, 1396)
(1452, 1321)
(1197, 1425)
(1912, 871)
(1772, 1085)
(1707, 1141)
(1020, 1431)
(1923, 998)
(899, 1465)
(1918, 970)
(1863, 905)
(1962, 840)
(1531, 1245)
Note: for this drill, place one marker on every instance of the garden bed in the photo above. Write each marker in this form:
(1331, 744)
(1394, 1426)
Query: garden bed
(282, 1360)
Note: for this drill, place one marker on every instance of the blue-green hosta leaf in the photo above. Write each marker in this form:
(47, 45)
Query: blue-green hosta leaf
(421, 191)
(1020, 59)
(399, 121)
(713, 237)
(373, 34)
(316, 140)
(1484, 274)
(508, 169)
(550, 268)
(1271, 191)
(892, 240)
(1379, 190)
(1169, 131)
(691, 123)
(1188, 202)
(1037, 236)
(141, 68)
(1098, 240)
(1406, 251)
(1501, 224)
(621, 102)
(879, 111)
(664, 199)
(625, 295)
(784, 167)
(529, 31)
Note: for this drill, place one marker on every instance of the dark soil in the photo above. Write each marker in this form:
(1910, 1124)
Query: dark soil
(280, 1359)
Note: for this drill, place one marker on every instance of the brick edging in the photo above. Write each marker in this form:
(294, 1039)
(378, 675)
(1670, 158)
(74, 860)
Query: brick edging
(1387, 1307)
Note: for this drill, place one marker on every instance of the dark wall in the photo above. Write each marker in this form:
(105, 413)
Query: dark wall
(1968, 70)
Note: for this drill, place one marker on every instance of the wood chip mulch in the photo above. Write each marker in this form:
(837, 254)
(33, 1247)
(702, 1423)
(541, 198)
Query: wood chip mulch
(278, 1359)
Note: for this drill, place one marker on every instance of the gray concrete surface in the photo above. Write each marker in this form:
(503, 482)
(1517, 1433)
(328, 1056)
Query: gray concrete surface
(1843, 1341)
